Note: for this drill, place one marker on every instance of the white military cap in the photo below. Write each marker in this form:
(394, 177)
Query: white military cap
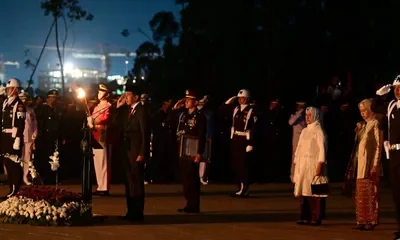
(396, 81)
(244, 93)
(13, 82)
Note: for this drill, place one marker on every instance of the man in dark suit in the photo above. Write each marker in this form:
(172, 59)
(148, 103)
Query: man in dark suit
(134, 123)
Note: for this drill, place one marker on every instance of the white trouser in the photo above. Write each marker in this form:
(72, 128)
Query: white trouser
(202, 169)
(101, 168)
(27, 157)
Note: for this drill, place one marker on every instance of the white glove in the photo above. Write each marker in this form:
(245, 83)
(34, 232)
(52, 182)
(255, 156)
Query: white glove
(17, 143)
(386, 145)
(384, 90)
(230, 100)
(2, 90)
(90, 122)
(249, 148)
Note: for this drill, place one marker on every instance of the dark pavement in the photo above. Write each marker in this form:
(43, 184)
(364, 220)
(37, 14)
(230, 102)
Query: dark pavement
(270, 214)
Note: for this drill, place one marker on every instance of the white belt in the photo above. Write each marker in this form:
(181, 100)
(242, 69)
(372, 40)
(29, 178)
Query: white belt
(238, 133)
(7, 130)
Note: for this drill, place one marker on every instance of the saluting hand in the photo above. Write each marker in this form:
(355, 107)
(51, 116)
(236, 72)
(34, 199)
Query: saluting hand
(121, 100)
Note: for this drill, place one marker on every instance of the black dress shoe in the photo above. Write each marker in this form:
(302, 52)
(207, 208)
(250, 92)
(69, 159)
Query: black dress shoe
(396, 236)
(101, 193)
(188, 210)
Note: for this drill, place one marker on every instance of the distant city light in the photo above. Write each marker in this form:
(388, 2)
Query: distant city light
(126, 62)
(134, 81)
(142, 78)
(68, 67)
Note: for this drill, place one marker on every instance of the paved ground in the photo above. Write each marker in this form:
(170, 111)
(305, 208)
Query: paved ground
(270, 214)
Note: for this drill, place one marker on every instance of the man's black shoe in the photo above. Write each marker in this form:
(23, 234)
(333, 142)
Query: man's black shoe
(188, 210)
(101, 193)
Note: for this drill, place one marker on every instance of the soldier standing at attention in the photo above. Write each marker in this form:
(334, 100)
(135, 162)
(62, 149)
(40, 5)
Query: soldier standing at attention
(191, 123)
(99, 120)
(30, 134)
(242, 140)
(49, 122)
(392, 144)
(12, 136)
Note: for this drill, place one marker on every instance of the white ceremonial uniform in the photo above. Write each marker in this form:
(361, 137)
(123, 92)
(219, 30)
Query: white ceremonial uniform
(30, 134)
(101, 116)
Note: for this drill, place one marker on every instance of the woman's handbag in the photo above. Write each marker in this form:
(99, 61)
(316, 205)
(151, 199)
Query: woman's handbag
(320, 186)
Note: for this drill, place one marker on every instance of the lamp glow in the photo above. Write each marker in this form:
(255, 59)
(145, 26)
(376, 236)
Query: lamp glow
(80, 93)
(68, 67)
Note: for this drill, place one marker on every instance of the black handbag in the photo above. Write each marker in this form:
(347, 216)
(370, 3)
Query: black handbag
(320, 186)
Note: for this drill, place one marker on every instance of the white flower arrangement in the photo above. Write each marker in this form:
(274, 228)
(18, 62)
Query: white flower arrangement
(32, 170)
(55, 163)
(25, 210)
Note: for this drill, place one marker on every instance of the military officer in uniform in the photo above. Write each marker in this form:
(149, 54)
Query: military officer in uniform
(392, 145)
(12, 136)
(242, 140)
(192, 122)
(30, 134)
(135, 128)
(49, 119)
(99, 121)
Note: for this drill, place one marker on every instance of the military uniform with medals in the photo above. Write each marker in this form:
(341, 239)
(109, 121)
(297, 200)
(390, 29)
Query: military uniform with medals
(193, 125)
(12, 137)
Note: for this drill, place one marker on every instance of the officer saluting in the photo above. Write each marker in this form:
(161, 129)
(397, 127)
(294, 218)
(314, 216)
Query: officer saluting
(99, 120)
(12, 136)
(392, 146)
(242, 135)
(192, 122)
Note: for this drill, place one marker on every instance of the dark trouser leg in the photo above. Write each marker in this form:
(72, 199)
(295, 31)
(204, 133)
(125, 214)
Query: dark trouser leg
(14, 171)
(304, 209)
(191, 183)
(310, 209)
(240, 161)
(394, 175)
(134, 187)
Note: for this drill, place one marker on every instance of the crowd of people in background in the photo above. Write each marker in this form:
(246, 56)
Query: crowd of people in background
(246, 143)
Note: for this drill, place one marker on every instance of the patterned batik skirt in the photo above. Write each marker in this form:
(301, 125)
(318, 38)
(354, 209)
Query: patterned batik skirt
(312, 209)
(367, 201)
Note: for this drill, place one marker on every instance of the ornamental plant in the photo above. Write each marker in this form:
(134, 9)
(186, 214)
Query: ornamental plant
(45, 206)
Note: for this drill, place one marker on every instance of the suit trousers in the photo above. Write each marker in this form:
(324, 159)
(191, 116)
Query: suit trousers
(191, 183)
(134, 187)
(394, 175)
(101, 167)
(27, 157)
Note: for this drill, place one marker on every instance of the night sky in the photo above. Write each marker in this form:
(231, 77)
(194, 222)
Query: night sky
(23, 23)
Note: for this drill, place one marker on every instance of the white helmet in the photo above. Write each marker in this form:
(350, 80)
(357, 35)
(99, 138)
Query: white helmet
(244, 93)
(396, 81)
(13, 82)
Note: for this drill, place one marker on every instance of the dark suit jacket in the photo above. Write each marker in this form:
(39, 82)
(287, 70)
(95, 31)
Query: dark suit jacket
(135, 130)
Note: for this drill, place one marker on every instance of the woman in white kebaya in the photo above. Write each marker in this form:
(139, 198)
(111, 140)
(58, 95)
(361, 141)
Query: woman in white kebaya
(309, 162)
